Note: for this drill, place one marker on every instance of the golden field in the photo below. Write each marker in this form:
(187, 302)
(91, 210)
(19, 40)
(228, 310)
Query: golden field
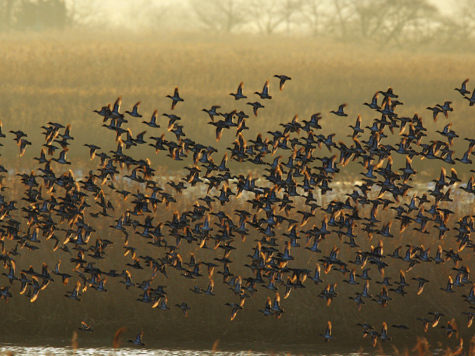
(62, 78)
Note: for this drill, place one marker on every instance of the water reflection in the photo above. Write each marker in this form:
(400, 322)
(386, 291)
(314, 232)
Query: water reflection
(58, 351)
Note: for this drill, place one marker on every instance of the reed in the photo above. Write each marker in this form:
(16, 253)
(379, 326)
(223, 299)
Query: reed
(70, 76)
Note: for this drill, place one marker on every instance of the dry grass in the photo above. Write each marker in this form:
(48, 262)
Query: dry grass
(62, 78)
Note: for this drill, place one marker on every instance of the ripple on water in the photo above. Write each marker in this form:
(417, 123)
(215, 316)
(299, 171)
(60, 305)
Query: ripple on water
(57, 351)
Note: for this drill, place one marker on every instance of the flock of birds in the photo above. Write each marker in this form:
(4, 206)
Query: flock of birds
(282, 205)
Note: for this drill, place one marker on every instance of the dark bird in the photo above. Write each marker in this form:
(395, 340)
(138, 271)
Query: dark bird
(184, 308)
(134, 112)
(450, 329)
(138, 340)
(471, 99)
(74, 295)
(374, 102)
(255, 106)
(422, 282)
(212, 112)
(238, 95)
(389, 93)
(340, 110)
(463, 89)
(175, 98)
(282, 79)
(384, 333)
(85, 327)
(328, 331)
(62, 157)
(265, 91)
(267, 309)
(153, 120)
(115, 111)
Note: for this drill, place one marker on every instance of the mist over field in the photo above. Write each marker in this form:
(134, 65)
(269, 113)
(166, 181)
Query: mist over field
(203, 191)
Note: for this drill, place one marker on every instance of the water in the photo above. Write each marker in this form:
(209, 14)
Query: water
(82, 344)
(57, 351)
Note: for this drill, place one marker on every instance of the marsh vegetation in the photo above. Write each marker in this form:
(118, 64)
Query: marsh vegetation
(61, 78)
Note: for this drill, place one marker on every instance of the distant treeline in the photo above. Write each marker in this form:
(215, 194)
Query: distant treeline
(33, 15)
(408, 24)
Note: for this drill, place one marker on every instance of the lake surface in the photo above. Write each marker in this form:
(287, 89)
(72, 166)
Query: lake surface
(48, 351)
(57, 351)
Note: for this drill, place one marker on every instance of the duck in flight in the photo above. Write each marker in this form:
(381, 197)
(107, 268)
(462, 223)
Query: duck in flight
(328, 332)
(138, 340)
(184, 308)
(175, 98)
(134, 112)
(374, 102)
(265, 91)
(115, 114)
(212, 112)
(255, 106)
(85, 327)
(153, 120)
(340, 110)
(239, 95)
(463, 88)
(282, 79)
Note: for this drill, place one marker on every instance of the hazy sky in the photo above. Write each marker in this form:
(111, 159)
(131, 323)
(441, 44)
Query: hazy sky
(123, 6)
(443, 5)
(122, 12)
